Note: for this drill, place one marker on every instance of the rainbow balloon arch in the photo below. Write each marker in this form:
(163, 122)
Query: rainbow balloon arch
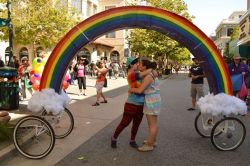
(166, 22)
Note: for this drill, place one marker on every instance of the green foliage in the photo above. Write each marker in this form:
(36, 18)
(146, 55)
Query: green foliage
(39, 22)
(235, 33)
(5, 132)
(151, 43)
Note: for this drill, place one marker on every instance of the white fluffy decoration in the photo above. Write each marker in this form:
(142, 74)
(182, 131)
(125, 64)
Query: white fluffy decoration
(222, 104)
(49, 100)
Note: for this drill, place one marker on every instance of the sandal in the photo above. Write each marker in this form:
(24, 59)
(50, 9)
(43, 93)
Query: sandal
(105, 101)
(145, 142)
(96, 104)
(145, 148)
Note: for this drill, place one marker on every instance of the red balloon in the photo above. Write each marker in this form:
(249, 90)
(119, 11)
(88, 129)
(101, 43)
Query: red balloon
(32, 72)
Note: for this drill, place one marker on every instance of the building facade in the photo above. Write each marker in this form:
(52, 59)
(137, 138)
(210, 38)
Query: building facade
(244, 35)
(224, 31)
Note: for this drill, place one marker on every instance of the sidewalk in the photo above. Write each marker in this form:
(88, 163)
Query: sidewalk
(87, 118)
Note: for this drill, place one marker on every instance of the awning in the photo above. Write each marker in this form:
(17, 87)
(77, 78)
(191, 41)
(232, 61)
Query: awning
(101, 41)
(243, 50)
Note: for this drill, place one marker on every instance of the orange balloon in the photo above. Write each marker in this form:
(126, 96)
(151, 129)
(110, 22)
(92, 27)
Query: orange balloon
(65, 85)
(35, 87)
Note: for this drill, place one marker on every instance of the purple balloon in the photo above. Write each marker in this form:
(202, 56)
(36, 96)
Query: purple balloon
(39, 60)
(36, 75)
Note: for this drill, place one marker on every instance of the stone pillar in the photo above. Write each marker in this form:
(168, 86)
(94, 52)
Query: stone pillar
(248, 4)
(94, 56)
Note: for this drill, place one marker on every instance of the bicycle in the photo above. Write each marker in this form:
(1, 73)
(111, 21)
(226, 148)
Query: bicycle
(204, 123)
(34, 136)
(231, 134)
(226, 133)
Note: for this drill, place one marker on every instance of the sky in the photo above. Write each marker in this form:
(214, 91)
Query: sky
(209, 13)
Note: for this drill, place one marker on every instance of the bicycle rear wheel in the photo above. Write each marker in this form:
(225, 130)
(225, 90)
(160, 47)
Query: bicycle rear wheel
(232, 134)
(33, 137)
(204, 123)
(62, 124)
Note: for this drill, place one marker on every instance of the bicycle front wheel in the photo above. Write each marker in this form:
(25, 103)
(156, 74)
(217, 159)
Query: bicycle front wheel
(62, 123)
(232, 134)
(204, 123)
(33, 137)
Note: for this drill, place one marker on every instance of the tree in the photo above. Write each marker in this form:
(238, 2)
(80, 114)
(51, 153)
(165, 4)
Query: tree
(235, 33)
(39, 22)
(151, 43)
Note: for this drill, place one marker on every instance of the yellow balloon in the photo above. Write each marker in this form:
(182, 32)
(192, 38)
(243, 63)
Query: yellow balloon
(38, 70)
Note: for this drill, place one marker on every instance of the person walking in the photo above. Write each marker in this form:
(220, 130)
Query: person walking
(197, 79)
(101, 76)
(152, 105)
(110, 69)
(81, 78)
(115, 69)
(92, 67)
(133, 108)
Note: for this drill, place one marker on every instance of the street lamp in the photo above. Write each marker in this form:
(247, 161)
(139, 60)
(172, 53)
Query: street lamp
(10, 62)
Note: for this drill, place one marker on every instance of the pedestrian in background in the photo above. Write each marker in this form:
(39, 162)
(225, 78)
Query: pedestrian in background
(1, 62)
(197, 80)
(81, 77)
(237, 68)
(101, 76)
(110, 68)
(92, 67)
(248, 83)
(16, 62)
(115, 66)
(24, 76)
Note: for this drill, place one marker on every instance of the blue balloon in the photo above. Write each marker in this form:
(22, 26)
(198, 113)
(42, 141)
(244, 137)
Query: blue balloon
(236, 81)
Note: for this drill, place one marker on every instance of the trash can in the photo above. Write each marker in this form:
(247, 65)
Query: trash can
(9, 89)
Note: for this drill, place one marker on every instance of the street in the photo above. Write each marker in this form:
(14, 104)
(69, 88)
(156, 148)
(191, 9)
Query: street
(178, 142)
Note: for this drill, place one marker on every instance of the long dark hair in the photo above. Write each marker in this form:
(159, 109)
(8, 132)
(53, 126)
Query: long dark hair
(148, 63)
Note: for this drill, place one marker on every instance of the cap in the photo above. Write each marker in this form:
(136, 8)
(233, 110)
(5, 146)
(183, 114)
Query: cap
(236, 57)
(131, 60)
(24, 58)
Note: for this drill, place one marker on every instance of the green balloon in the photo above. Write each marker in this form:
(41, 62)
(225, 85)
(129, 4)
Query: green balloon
(34, 62)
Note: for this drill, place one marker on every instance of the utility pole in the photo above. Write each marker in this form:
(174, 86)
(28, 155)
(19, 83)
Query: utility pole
(10, 62)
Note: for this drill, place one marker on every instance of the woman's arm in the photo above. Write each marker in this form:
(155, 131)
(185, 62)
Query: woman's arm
(145, 83)
(103, 70)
